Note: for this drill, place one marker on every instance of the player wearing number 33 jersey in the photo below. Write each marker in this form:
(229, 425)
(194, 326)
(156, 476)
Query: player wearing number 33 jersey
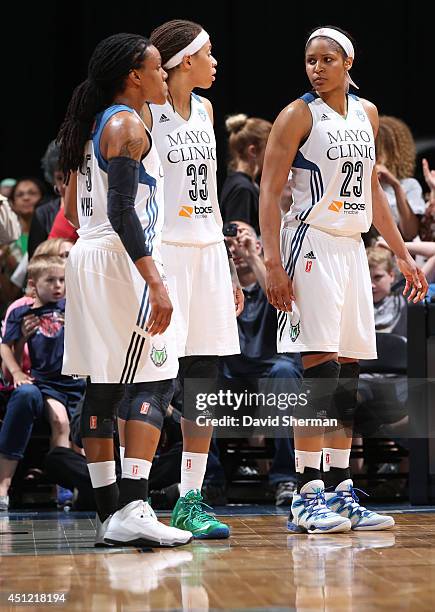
(193, 248)
(321, 244)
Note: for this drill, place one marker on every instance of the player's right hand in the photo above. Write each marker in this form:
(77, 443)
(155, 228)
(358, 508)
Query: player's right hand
(279, 289)
(161, 310)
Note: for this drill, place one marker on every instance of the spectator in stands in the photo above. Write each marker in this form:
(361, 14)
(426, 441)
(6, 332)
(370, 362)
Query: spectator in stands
(49, 220)
(395, 156)
(382, 395)
(56, 246)
(10, 229)
(240, 193)
(259, 358)
(45, 390)
(390, 308)
(427, 222)
(25, 196)
(6, 186)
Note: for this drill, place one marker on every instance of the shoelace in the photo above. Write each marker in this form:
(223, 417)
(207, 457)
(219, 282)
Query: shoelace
(317, 505)
(354, 501)
(197, 507)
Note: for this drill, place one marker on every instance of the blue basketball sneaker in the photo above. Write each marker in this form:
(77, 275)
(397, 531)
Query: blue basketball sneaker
(345, 502)
(309, 513)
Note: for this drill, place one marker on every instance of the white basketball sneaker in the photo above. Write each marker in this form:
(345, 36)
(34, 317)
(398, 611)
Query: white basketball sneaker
(309, 512)
(344, 501)
(137, 525)
(100, 532)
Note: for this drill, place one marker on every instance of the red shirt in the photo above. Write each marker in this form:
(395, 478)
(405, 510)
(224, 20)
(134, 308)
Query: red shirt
(62, 228)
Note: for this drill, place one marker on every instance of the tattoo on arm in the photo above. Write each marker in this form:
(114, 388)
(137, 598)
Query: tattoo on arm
(132, 148)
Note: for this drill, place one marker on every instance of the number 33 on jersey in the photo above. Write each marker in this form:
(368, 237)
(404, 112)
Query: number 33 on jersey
(187, 150)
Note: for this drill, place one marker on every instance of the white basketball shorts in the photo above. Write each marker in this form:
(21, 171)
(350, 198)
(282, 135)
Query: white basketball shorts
(205, 315)
(333, 309)
(107, 307)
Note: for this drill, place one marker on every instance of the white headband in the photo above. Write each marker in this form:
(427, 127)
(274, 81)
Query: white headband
(341, 39)
(191, 48)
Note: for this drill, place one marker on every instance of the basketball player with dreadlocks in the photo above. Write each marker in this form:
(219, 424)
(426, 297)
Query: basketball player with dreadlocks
(208, 296)
(117, 330)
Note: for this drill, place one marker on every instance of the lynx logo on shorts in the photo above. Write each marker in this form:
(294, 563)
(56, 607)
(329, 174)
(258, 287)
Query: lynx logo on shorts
(159, 355)
(144, 408)
(188, 464)
(295, 330)
(93, 422)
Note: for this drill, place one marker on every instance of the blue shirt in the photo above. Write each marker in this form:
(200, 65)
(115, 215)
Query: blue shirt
(46, 344)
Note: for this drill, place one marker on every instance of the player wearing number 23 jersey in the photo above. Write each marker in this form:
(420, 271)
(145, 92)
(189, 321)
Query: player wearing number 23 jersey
(321, 243)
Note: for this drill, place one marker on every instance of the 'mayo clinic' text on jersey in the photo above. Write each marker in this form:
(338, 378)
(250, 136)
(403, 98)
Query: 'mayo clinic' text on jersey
(187, 150)
(331, 173)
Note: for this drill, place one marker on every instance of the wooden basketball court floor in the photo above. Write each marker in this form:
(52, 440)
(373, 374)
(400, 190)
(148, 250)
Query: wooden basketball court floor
(50, 556)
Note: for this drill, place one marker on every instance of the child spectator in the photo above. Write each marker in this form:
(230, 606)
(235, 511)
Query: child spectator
(41, 325)
(390, 308)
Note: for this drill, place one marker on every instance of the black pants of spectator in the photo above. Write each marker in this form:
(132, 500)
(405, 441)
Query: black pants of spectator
(68, 469)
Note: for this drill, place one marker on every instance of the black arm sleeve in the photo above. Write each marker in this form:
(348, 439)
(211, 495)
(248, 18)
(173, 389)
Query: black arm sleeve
(123, 179)
(230, 256)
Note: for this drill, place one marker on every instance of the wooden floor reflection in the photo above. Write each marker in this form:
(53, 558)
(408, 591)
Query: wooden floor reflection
(260, 567)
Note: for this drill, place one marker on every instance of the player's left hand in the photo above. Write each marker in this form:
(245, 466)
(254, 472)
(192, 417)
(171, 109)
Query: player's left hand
(415, 280)
(239, 299)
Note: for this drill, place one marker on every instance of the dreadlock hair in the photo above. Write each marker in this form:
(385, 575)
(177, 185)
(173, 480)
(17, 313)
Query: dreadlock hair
(395, 146)
(111, 62)
(173, 36)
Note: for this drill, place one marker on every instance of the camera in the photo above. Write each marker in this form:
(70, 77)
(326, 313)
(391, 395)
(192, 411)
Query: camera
(230, 229)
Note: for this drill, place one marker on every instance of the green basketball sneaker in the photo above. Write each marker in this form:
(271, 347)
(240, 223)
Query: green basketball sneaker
(189, 514)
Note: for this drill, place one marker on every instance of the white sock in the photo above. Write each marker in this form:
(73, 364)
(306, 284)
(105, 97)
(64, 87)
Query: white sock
(311, 459)
(193, 467)
(335, 457)
(135, 469)
(102, 473)
(121, 454)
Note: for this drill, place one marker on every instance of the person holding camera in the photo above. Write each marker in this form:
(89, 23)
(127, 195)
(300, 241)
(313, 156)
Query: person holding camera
(257, 334)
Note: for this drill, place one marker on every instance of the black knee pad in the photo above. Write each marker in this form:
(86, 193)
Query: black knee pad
(99, 409)
(345, 399)
(198, 375)
(147, 402)
(319, 384)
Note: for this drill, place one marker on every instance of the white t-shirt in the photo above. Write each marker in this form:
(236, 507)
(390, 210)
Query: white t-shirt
(414, 195)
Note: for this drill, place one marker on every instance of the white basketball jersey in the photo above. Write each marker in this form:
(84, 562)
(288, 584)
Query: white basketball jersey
(187, 150)
(92, 186)
(331, 173)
